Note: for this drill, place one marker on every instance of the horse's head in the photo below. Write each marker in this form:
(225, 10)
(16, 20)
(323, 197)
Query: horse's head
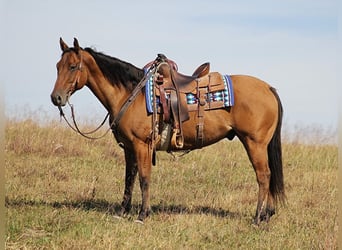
(71, 75)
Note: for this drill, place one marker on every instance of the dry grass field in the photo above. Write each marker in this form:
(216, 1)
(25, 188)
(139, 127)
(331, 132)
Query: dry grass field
(62, 191)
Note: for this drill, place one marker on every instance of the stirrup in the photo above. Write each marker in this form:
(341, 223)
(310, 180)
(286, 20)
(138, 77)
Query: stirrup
(177, 140)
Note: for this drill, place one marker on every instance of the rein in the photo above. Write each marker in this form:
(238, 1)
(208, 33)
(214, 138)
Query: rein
(76, 128)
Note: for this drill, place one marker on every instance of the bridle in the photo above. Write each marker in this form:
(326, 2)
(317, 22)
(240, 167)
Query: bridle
(72, 89)
(115, 123)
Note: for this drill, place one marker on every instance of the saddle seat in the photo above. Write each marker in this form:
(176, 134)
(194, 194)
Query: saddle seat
(185, 83)
(171, 78)
(201, 78)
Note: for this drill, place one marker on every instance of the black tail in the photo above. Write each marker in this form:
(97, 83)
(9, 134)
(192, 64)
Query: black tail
(275, 157)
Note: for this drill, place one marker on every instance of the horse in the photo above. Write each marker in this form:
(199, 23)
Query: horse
(255, 119)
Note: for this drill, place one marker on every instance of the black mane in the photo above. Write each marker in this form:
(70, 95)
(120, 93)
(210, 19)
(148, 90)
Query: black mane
(116, 70)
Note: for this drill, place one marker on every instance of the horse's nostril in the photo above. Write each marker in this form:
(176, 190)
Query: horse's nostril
(56, 100)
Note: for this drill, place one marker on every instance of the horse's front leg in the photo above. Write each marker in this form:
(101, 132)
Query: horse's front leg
(144, 157)
(131, 172)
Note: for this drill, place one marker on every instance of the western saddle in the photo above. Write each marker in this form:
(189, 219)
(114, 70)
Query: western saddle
(180, 94)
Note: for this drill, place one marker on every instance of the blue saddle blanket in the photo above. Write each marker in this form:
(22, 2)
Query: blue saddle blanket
(226, 95)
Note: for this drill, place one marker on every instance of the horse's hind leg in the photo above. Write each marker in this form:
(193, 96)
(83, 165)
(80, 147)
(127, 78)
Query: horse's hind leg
(257, 153)
(131, 172)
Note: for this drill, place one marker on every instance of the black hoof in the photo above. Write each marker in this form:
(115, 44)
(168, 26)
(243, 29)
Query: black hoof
(143, 215)
(264, 216)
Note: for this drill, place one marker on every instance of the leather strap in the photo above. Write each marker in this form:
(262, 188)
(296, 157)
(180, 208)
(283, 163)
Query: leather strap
(177, 139)
(130, 99)
(201, 93)
(163, 101)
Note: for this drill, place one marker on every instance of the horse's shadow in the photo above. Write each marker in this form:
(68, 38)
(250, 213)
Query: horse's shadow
(104, 206)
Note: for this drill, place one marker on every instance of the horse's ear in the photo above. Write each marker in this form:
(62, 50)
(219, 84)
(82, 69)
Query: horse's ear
(76, 45)
(63, 45)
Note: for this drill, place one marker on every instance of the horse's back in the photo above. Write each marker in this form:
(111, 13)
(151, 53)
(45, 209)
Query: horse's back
(250, 86)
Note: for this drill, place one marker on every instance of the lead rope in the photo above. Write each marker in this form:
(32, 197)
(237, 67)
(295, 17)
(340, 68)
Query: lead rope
(75, 127)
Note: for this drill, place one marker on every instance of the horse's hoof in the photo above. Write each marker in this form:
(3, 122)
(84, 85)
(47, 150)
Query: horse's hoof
(139, 222)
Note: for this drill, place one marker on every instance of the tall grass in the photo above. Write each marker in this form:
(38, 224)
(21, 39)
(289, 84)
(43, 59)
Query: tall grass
(62, 191)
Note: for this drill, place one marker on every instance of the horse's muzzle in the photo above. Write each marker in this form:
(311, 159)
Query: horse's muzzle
(58, 99)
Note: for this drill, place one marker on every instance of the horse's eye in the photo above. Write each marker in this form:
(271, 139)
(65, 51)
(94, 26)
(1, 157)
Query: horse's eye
(72, 67)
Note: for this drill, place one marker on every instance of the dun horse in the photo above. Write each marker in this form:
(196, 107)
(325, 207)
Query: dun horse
(255, 118)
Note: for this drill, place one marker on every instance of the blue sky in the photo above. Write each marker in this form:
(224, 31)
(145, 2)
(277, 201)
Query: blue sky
(290, 44)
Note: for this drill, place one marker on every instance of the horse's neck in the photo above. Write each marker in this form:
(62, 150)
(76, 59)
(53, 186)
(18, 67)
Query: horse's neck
(112, 96)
